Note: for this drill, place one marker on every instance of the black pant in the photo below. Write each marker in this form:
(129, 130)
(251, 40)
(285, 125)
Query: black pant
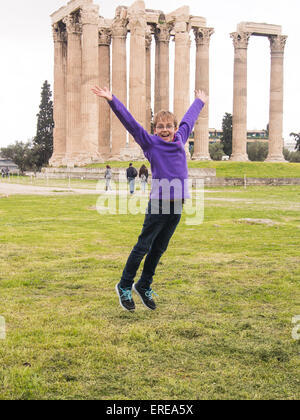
(154, 239)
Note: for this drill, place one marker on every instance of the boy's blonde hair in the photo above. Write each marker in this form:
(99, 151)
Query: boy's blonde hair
(163, 116)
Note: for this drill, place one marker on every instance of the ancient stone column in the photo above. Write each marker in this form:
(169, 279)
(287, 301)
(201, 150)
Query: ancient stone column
(201, 137)
(137, 77)
(239, 117)
(119, 79)
(182, 71)
(162, 81)
(90, 78)
(104, 80)
(73, 88)
(59, 107)
(148, 79)
(277, 43)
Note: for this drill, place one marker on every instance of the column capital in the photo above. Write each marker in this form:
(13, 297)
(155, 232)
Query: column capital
(73, 25)
(202, 35)
(240, 39)
(119, 30)
(277, 43)
(137, 25)
(162, 30)
(120, 22)
(162, 33)
(90, 15)
(148, 38)
(182, 38)
(180, 26)
(137, 19)
(104, 36)
(59, 34)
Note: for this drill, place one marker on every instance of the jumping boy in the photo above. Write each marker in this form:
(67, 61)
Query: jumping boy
(165, 151)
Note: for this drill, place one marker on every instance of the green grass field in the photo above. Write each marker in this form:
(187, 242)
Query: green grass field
(228, 290)
(232, 169)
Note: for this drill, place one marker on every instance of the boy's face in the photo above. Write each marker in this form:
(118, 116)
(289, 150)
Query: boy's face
(165, 129)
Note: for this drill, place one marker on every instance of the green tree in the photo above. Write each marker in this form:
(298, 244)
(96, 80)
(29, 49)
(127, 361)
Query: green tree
(43, 141)
(22, 154)
(226, 139)
(297, 138)
(267, 130)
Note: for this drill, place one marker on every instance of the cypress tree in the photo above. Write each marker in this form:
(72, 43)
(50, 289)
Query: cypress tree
(226, 138)
(43, 141)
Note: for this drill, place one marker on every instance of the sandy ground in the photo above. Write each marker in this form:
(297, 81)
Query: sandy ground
(13, 189)
(7, 189)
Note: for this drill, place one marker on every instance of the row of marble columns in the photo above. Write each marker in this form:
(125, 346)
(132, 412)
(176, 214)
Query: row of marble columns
(76, 69)
(239, 135)
(87, 54)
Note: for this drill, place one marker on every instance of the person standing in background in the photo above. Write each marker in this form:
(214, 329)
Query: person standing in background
(108, 176)
(131, 174)
(143, 175)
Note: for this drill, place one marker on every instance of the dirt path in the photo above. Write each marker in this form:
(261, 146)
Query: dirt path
(13, 189)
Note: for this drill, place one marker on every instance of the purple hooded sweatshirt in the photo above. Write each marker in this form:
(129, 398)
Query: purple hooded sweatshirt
(168, 159)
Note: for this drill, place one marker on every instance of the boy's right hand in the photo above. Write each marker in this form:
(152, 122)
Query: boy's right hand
(102, 93)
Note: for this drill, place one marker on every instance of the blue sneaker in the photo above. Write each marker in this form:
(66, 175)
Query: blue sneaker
(146, 296)
(125, 298)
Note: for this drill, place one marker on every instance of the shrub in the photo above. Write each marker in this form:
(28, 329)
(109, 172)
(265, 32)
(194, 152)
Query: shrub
(286, 154)
(257, 151)
(294, 157)
(216, 151)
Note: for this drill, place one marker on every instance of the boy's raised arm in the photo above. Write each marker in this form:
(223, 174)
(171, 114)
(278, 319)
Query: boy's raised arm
(192, 114)
(135, 129)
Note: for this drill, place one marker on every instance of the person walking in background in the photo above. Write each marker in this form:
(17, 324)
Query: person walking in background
(131, 174)
(108, 176)
(143, 175)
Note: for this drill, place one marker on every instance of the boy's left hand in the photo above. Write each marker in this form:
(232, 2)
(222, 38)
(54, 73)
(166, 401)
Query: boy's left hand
(201, 94)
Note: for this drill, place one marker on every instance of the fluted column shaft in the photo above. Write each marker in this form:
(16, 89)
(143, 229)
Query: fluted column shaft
(162, 70)
(182, 73)
(119, 83)
(277, 44)
(90, 78)
(59, 107)
(73, 88)
(137, 77)
(148, 80)
(201, 137)
(239, 117)
(104, 80)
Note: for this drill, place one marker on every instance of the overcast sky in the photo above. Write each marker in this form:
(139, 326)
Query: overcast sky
(26, 47)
